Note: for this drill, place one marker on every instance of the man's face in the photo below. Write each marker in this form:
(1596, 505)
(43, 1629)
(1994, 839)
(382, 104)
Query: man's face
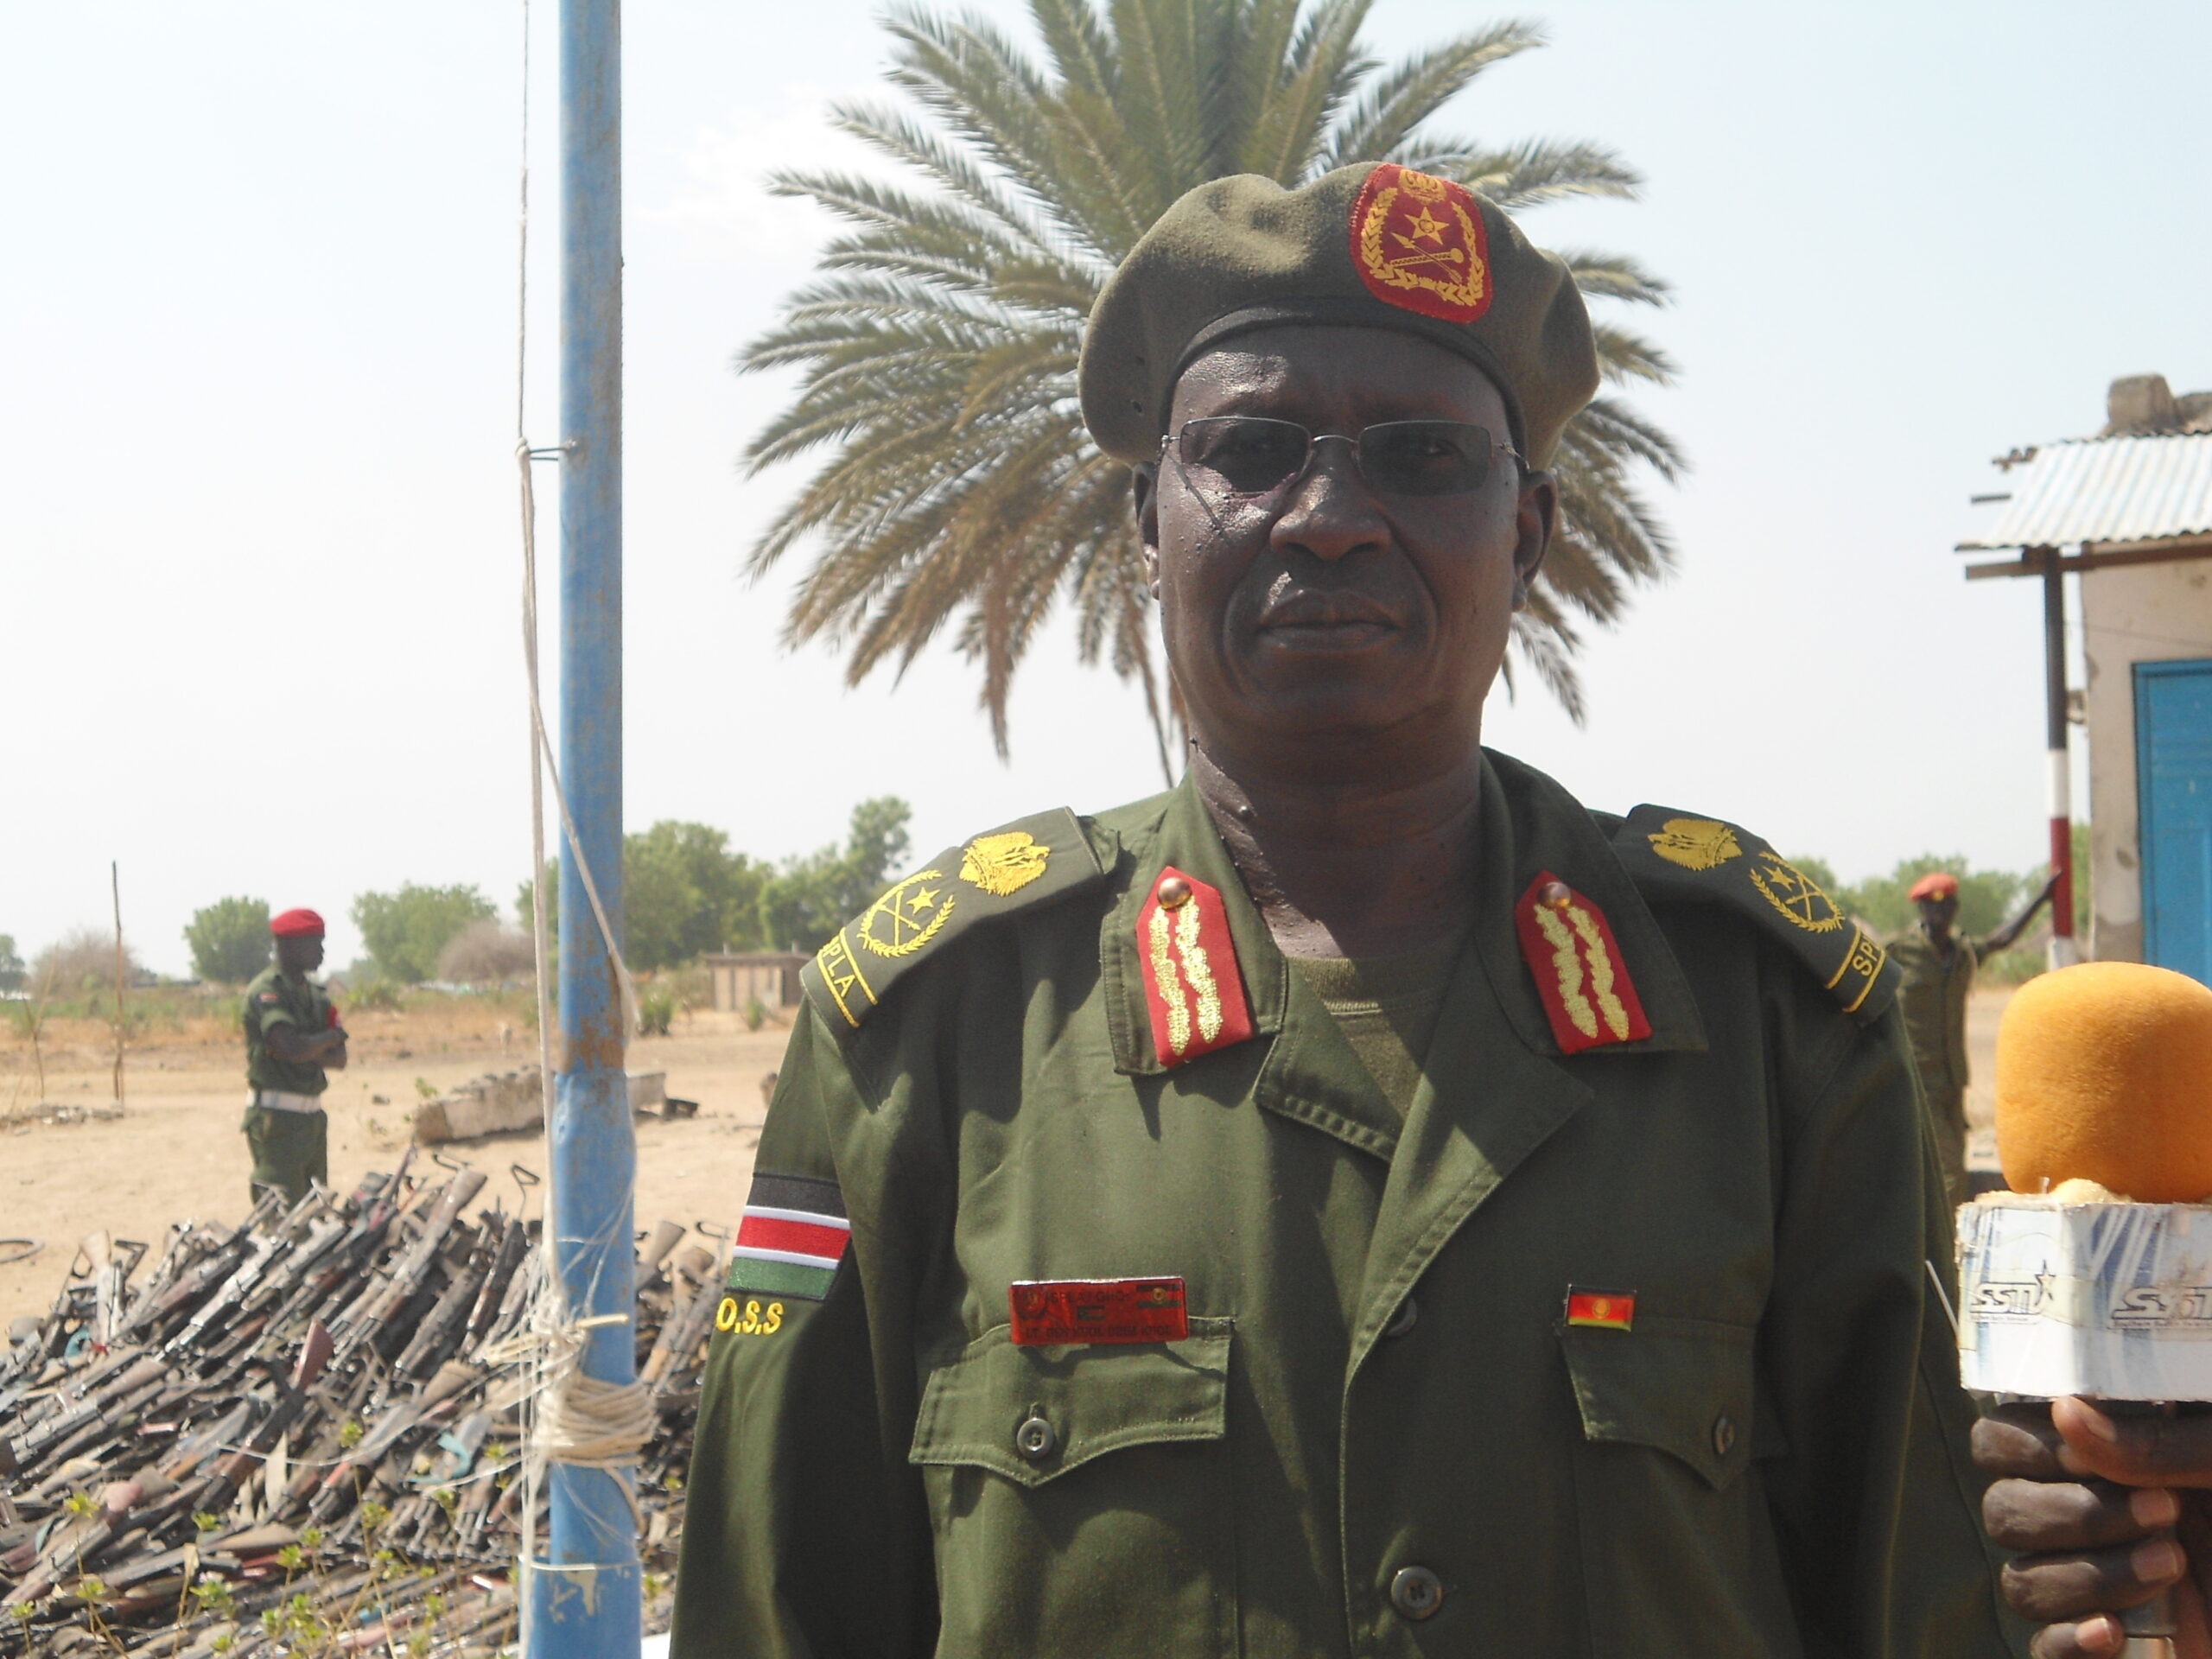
(1331, 608)
(300, 953)
(1939, 914)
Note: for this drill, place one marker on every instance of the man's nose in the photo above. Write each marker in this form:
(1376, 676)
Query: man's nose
(1330, 513)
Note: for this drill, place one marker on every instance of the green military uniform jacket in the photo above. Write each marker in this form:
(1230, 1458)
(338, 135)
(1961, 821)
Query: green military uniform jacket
(277, 998)
(1378, 1379)
(1933, 998)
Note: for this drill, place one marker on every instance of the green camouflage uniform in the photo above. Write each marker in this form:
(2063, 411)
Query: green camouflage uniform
(1383, 1434)
(290, 1146)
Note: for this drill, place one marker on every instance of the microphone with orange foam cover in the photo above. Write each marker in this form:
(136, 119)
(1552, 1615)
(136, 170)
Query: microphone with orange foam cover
(2104, 1073)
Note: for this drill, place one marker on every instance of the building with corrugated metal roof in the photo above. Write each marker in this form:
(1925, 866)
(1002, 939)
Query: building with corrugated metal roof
(2130, 511)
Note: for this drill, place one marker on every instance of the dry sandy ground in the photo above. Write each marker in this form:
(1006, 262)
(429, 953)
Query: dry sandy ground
(179, 1154)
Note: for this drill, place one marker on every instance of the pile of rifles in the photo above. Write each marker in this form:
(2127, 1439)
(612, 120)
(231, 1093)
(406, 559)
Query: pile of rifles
(302, 1436)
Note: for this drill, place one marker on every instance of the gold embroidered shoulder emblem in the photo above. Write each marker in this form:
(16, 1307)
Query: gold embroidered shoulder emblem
(1796, 895)
(1003, 865)
(1696, 843)
(907, 918)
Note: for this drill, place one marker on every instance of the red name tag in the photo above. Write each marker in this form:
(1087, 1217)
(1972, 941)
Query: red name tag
(1051, 1313)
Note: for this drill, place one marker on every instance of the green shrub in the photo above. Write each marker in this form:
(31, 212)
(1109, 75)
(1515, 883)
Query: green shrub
(405, 931)
(375, 992)
(230, 940)
(656, 1009)
(755, 1014)
(2013, 966)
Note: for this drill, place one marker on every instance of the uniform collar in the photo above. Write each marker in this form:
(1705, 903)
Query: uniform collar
(1529, 825)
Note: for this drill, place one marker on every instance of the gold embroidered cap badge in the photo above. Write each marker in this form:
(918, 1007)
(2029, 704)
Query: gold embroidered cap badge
(1418, 244)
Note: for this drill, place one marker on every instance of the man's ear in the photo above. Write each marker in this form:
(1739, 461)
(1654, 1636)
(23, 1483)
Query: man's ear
(1538, 512)
(1144, 495)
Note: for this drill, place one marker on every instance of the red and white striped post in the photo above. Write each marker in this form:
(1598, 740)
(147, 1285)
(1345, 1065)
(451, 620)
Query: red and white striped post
(2065, 949)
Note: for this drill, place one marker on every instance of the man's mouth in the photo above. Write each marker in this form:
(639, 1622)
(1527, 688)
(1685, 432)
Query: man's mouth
(1335, 621)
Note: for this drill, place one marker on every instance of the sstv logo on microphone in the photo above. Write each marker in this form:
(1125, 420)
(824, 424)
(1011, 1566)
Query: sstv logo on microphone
(2163, 1307)
(2010, 1301)
(2145, 1307)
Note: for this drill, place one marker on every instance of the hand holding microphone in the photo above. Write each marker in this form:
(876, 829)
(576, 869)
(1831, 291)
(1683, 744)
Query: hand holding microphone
(2104, 1092)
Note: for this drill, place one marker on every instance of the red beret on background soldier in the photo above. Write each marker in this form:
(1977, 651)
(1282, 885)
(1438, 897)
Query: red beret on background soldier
(292, 1040)
(1362, 1201)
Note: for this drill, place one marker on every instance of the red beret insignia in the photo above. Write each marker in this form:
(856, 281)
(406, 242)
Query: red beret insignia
(297, 923)
(1418, 243)
(1571, 952)
(1192, 986)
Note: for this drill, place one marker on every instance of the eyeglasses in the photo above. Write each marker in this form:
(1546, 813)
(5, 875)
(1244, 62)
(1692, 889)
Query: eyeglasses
(1255, 455)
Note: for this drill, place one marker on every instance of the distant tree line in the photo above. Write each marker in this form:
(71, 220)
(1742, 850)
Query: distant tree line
(686, 893)
(1988, 898)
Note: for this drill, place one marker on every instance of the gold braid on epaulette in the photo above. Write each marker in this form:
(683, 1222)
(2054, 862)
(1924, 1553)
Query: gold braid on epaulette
(1674, 854)
(1028, 862)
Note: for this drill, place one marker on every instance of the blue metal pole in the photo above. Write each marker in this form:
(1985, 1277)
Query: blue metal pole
(589, 1605)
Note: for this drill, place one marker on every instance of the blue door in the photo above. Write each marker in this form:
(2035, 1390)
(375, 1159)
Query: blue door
(2173, 784)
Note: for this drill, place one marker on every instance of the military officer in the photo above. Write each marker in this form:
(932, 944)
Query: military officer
(1938, 965)
(293, 1040)
(1362, 1201)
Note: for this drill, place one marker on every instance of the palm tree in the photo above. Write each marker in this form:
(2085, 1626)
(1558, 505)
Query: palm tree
(939, 345)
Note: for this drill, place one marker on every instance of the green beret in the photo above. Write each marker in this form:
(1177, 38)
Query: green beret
(1368, 246)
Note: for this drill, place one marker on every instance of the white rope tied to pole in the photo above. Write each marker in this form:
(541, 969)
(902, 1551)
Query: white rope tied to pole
(577, 1419)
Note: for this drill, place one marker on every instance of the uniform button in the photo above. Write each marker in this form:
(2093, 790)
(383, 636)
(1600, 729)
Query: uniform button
(1724, 1434)
(1416, 1592)
(1403, 1320)
(1174, 892)
(1036, 1440)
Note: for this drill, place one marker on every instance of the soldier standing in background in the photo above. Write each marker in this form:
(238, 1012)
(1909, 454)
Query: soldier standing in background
(292, 1040)
(1938, 968)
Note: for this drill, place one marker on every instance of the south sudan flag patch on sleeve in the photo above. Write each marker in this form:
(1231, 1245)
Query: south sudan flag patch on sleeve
(792, 1238)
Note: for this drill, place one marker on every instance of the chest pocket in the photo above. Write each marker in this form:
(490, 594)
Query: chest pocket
(1678, 1551)
(1680, 1386)
(1058, 1479)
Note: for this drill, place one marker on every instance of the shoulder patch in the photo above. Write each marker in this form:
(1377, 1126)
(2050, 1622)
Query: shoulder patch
(1028, 862)
(1678, 855)
(792, 1239)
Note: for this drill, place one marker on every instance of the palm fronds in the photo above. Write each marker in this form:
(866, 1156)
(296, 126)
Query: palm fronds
(956, 494)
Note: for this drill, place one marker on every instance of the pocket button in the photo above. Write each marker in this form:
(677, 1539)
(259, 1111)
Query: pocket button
(1036, 1440)
(1724, 1436)
(1416, 1592)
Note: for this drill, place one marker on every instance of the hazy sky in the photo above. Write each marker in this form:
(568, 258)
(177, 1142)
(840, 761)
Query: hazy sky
(256, 342)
